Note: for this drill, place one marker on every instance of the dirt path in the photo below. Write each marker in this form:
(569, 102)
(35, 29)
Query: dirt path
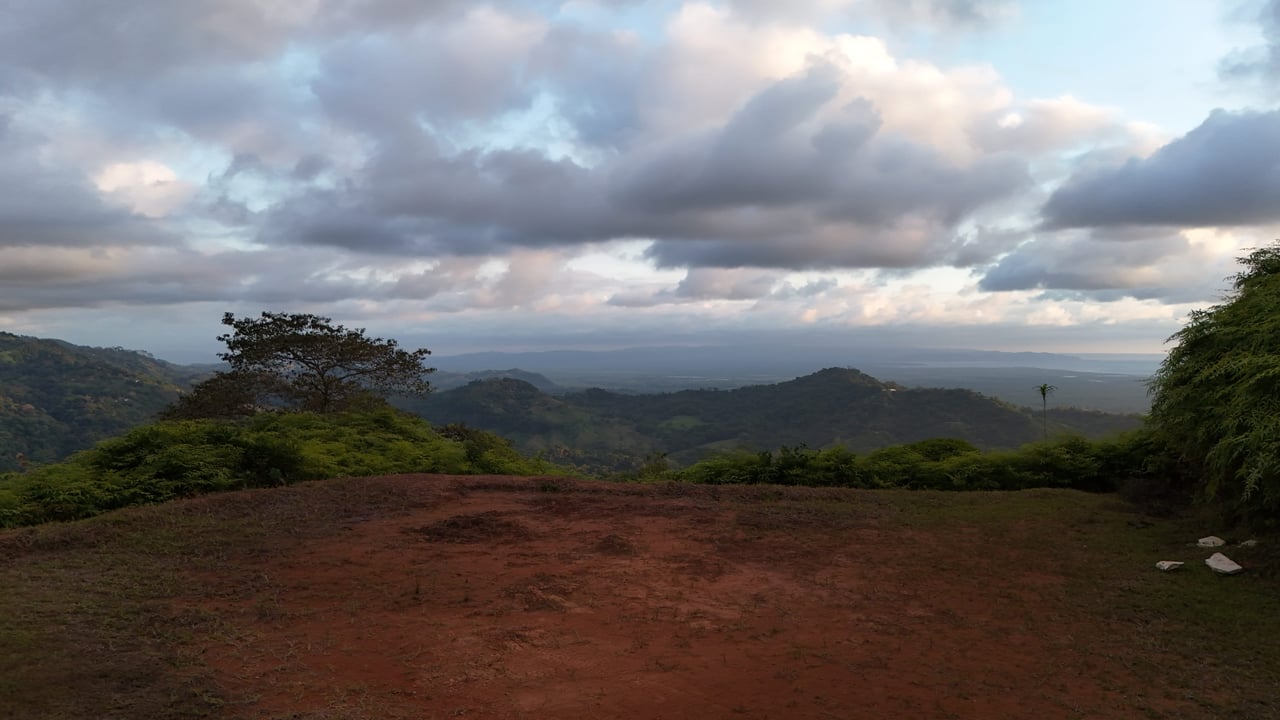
(503, 602)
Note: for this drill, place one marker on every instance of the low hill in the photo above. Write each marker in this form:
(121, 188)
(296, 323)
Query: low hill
(57, 398)
(836, 406)
(537, 422)
(445, 380)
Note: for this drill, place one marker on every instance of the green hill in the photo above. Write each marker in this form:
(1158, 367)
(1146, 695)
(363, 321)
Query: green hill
(537, 422)
(836, 406)
(57, 398)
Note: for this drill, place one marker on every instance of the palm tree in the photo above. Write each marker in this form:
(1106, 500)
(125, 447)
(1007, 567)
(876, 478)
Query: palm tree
(1045, 390)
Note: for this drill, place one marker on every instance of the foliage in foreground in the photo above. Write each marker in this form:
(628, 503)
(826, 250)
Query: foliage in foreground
(1217, 395)
(168, 460)
(941, 464)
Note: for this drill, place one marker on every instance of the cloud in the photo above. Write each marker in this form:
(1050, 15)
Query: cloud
(468, 68)
(60, 277)
(45, 203)
(801, 176)
(1111, 264)
(936, 13)
(1260, 63)
(738, 163)
(1226, 172)
(1045, 125)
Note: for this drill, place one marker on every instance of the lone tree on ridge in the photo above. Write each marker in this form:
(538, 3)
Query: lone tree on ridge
(303, 362)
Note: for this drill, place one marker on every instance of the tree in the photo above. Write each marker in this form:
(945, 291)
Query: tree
(1045, 391)
(303, 362)
(225, 395)
(1216, 397)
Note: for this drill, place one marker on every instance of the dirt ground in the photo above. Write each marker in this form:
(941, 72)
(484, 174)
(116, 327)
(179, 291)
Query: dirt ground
(494, 598)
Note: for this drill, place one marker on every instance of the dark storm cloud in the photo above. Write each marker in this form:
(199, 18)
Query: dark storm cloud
(1226, 172)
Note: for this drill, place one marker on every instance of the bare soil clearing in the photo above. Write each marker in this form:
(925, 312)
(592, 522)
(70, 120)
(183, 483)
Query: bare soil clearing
(488, 597)
(495, 600)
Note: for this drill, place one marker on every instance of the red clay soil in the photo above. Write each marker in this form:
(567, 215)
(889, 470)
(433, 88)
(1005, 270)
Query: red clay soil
(493, 600)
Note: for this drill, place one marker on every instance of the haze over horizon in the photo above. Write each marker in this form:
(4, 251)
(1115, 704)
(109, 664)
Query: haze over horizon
(545, 174)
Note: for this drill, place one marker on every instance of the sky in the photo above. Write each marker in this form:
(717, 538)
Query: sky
(1067, 176)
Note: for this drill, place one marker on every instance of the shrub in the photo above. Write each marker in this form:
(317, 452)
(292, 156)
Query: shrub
(941, 464)
(1215, 395)
(175, 459)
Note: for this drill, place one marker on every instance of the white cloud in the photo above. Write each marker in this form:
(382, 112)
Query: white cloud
(145, 187)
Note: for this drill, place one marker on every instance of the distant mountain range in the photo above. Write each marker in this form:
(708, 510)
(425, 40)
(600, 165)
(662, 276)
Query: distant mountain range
(57, 398)
(599, 429)
(1110, 382)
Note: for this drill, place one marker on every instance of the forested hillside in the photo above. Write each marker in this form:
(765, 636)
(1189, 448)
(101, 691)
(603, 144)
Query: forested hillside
(601, 429)
(57, 398)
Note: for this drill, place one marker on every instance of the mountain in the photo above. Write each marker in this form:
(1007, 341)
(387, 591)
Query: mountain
(836, 406)
(446, 380)
(57, 398)
(1111, 383)
(515, 409)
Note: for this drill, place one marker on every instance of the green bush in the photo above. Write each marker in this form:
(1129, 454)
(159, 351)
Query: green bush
(1215, 400)
(174, 459)
(941, 464)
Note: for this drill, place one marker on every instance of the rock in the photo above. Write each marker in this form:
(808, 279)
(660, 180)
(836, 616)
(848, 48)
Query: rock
(1249, 543)
(1211, 541)
(1220, 563)
(1167, 565)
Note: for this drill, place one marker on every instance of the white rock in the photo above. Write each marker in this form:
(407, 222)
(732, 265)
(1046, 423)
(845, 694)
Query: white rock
(1167, 565)
(1249, 543)
(1211, 541)
(1220, 563)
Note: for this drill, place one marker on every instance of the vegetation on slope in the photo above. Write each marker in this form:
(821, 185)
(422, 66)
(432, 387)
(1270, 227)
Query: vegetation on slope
(172, 459)
(605, 431)
(937, 464)
(57, 398)
(1217, 395)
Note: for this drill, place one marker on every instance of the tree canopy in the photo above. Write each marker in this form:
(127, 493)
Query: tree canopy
(303, 362)
(1217, 395)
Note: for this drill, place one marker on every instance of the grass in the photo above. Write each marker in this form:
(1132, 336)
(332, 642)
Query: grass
(1212, 634)
(89, 627)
